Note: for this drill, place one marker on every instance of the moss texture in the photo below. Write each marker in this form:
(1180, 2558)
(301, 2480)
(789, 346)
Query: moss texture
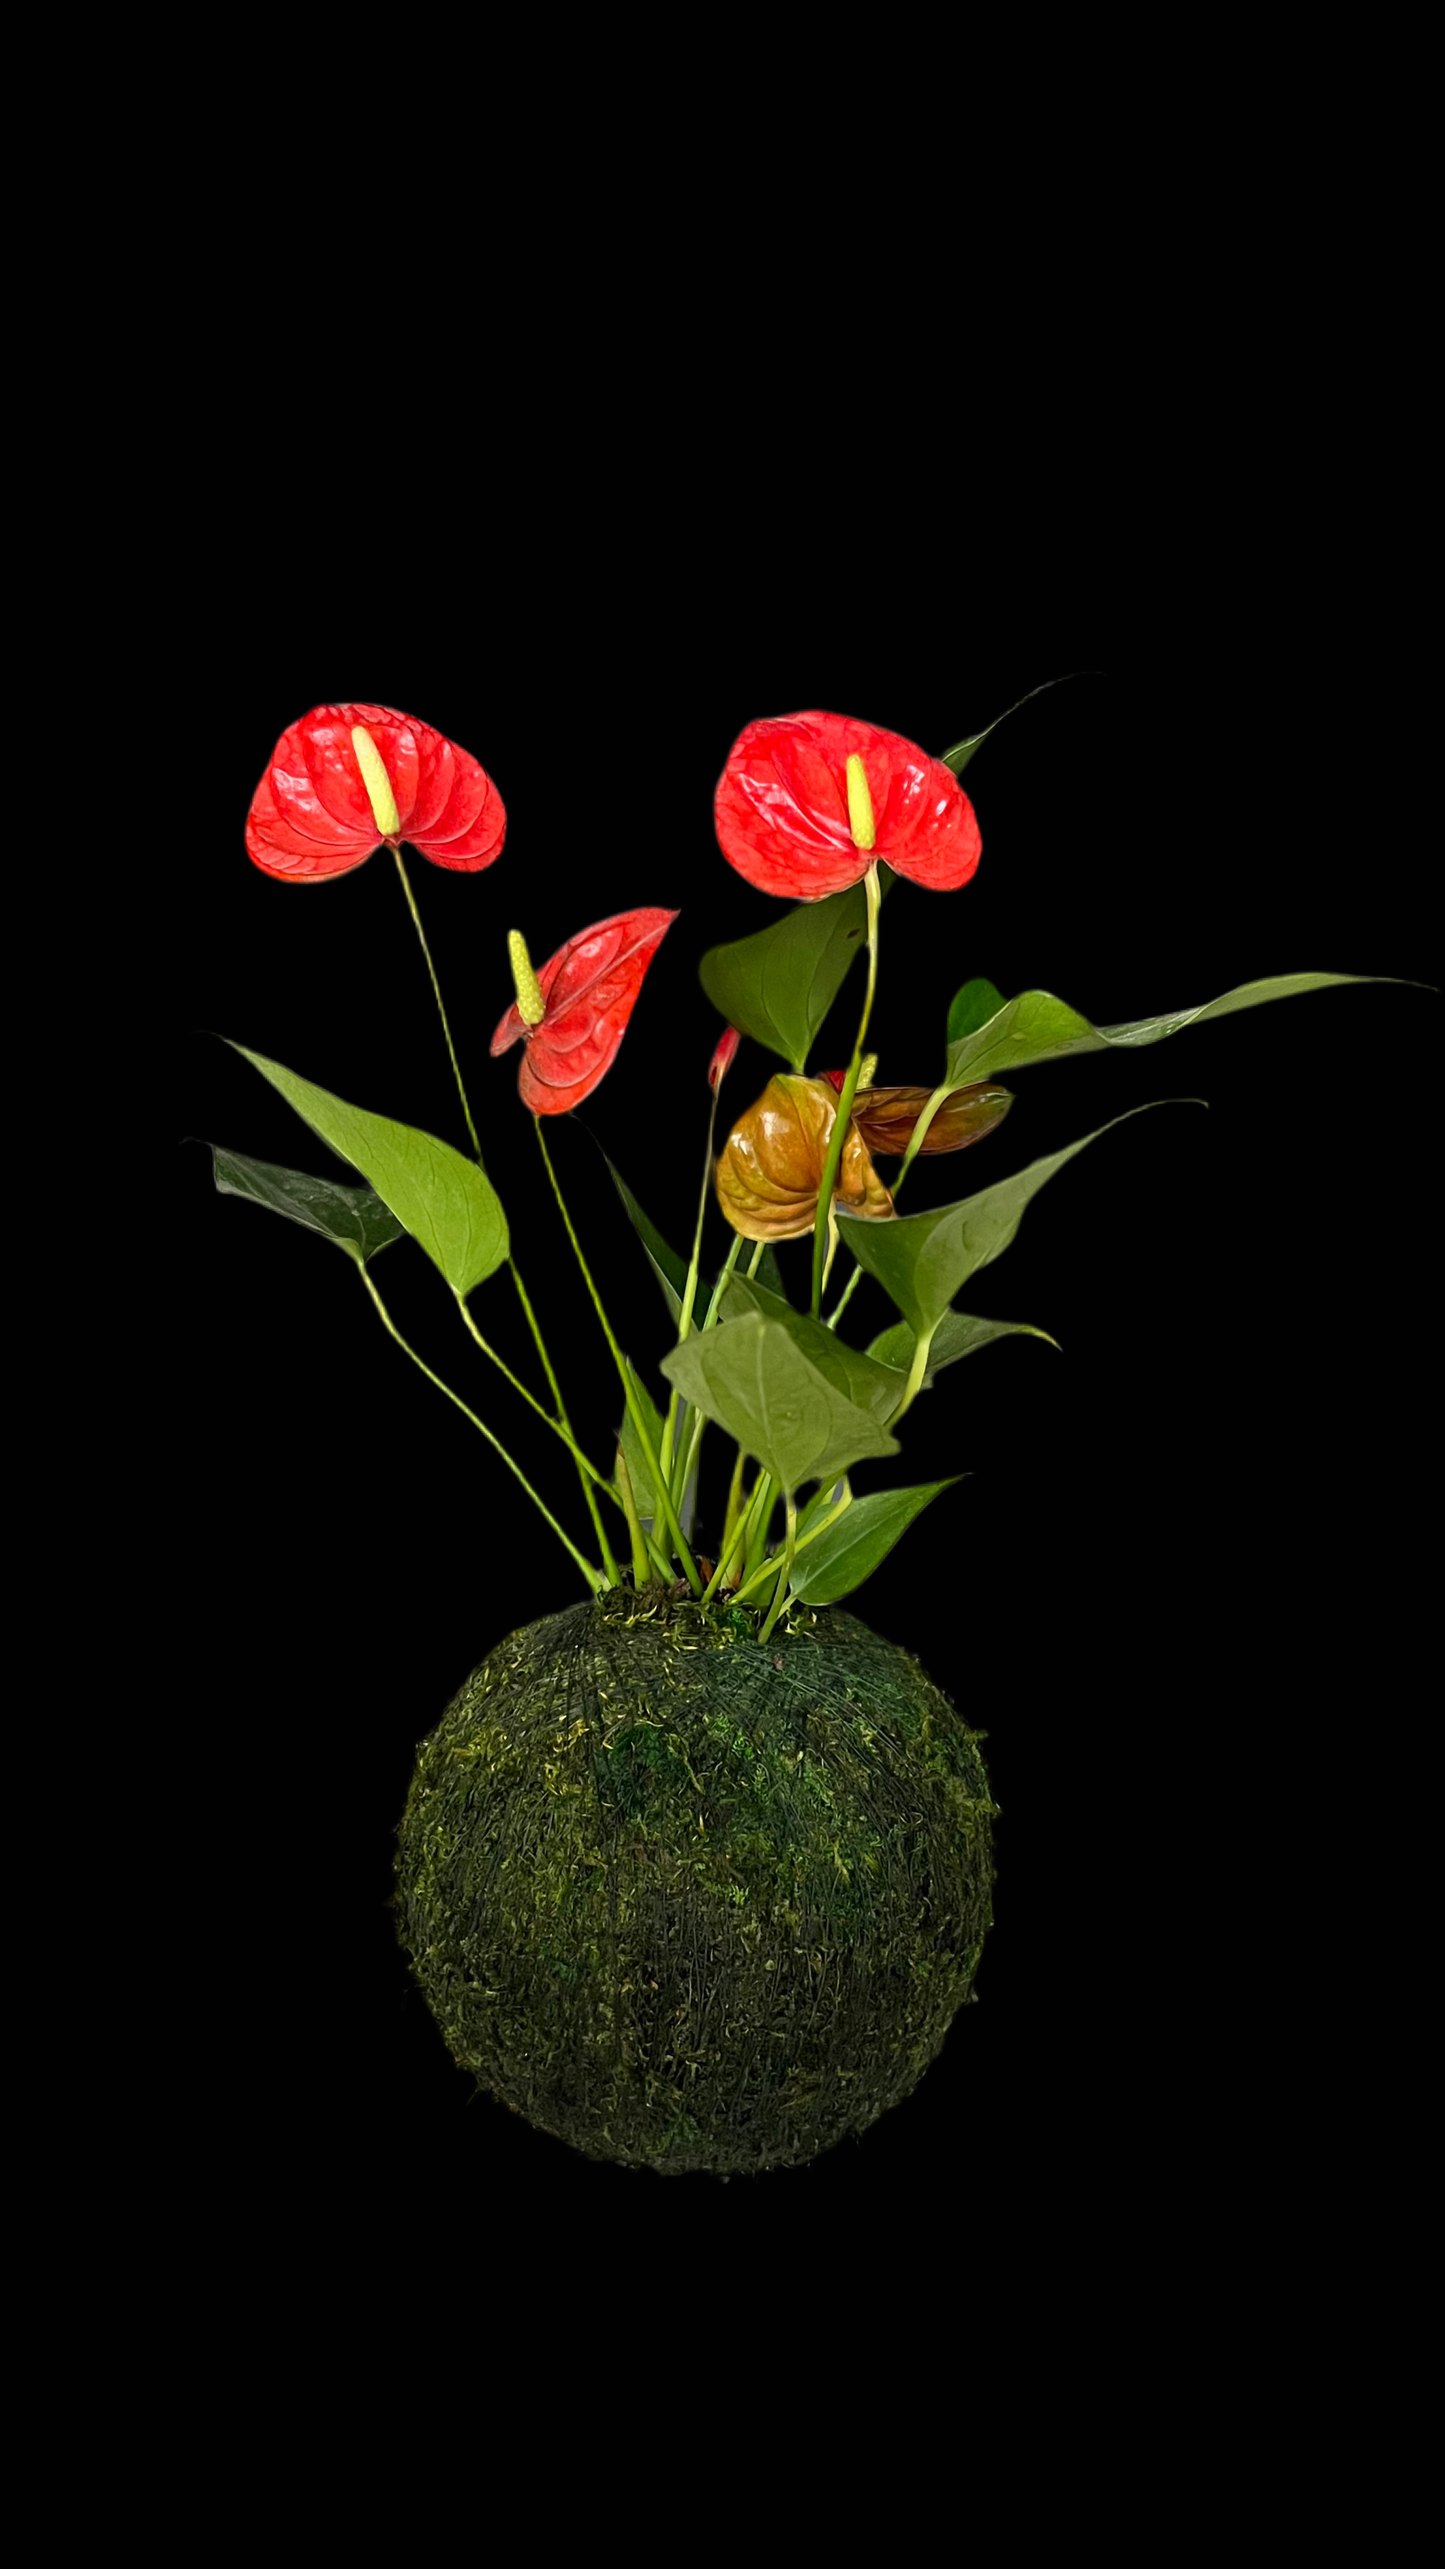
(689, 1900)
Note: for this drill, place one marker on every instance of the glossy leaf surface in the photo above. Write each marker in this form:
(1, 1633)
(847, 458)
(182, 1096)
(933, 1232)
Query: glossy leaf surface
(447, 1203)
(962, 751)
(847, 1552)
(784, 818)
(311, 815)
(922, 1259)
(669, 1269)
(765, 1385)
(354, 1217)
(958, 1334)
(779, 985)
(590, 986)
(860, 1378)
(1038, 1027)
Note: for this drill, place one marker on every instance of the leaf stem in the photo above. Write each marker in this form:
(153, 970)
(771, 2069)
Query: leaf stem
(845, 1102)
(684, 1325)
(587, 1472)
(437, 990)
(589, 1570)
(639, 1421)
(634, 1523)
(786, 1572)
(939, 1098)
(801, 1545)
(584, 1468)
(916, 1372)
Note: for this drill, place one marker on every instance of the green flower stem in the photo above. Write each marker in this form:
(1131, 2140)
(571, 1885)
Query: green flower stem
(801, 1545)
(437, 989)
(587, 1472)
(939, 1098)
(589, 1570)
(735, 1501)
(759, 1519)
(844, 1298)
(916, 1372)
(690, 1568)
(684, 1473)
(634, 1523)
(734, 1530)
(684, 1326)
(583, 1466)
(584, 1469)
(789, 1548)
(845, 1102)
(919, 1135)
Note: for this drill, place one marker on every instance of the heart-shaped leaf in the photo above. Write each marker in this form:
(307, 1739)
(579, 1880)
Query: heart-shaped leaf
(972, 1007)
(779, 985)
(858, 1378)
(958, 1334)
(447, 1203)
(352, 1216)
(756, 1380)
(922, 1259)
(848, 1551)
(669, 1269)
(1038, 1027)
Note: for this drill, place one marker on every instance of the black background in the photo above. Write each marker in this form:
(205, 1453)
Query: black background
(1183, 1587)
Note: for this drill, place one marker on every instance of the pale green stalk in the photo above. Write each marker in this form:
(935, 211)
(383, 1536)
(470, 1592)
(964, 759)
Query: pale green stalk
(629, 1389)
(845, 1102)
(587, 1472)
(593, 1576)
(786, 1572)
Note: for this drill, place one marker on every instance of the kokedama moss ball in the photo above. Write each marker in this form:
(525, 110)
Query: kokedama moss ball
(691, 1900)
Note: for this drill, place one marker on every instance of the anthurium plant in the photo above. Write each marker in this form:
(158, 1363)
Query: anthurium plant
(696, 1872)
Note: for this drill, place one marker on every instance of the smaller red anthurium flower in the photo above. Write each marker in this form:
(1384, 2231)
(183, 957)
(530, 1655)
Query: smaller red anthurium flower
(572, 1015)
(806, 803)
(347, 779)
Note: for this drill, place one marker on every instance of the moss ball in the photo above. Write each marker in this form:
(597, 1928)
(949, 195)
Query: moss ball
(691, 1900)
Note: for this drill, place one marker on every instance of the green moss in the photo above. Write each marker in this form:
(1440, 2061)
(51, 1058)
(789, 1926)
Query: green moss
(689, 1900)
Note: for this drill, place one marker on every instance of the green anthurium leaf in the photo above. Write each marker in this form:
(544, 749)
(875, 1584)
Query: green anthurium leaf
(447, 1203)
(352, 1216)
(639, 1469)
(847, 1552)
(922, 1259)
(669, 1269)
(856, 1377)
(779, 985)
(1038, 1027)
(962, 751)
(755, 1379)
(958, 1334)
(824, 1497)
(972, 1007)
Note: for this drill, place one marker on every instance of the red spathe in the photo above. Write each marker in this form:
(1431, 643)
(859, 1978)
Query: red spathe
(311, 815)
(782, 808)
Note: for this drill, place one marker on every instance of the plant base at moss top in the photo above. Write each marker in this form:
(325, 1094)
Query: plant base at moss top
(693, 1901)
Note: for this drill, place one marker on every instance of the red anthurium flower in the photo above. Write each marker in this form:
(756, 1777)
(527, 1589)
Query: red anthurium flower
(805, 804)
(348, 778)
(573, 1014)
(723, 1059)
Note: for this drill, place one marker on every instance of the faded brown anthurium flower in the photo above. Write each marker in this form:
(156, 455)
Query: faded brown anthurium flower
(772, 1163)
(886, 1117)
